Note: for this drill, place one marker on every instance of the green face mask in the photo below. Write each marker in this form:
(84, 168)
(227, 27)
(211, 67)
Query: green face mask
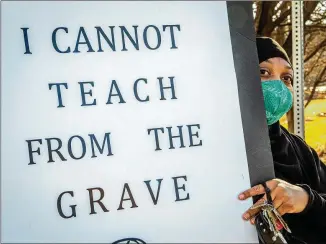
(277, 99)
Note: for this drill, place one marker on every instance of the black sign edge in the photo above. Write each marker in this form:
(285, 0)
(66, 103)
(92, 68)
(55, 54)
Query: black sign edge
(257, 143)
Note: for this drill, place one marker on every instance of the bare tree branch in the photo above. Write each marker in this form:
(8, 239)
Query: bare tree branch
(318, 47)
(318, 81)
(288, 45)
(280, 19)
(308, 9)
(265, 19)
(314, 65)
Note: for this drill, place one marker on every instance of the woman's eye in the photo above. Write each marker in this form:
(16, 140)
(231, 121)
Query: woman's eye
(288, 79)
(264, 72)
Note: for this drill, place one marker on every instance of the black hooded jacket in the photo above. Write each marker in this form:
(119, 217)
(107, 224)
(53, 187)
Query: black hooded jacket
(298, 164)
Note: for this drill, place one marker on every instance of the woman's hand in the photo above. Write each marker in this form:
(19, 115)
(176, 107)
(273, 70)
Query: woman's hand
(287, 198)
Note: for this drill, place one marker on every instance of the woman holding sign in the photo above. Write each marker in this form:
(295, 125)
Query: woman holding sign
(299, 192)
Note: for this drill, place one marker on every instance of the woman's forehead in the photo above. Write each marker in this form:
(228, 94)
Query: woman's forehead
(280, 62)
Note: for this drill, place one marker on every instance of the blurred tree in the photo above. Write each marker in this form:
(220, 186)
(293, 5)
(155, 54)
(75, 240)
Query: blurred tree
(273, 18)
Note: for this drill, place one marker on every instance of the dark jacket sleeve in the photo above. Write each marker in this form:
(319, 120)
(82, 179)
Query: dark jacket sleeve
(321, 170)
(315, 212)
(297, 163)
(316, 208)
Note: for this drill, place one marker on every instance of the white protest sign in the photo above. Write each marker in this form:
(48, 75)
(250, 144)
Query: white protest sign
(120, 120)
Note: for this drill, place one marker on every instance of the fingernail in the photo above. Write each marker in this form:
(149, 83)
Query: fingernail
(246, 216)
(278, 224)
(241, 196)
(252, 221)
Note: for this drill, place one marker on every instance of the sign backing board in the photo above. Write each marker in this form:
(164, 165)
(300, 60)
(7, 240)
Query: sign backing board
(126, 120)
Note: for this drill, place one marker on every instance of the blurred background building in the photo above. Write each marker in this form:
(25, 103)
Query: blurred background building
(273, 19)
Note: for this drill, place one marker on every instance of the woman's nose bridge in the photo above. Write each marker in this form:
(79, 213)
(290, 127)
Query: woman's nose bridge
(276, 77)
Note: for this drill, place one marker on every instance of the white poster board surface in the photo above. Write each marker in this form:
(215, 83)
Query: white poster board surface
(119, 120)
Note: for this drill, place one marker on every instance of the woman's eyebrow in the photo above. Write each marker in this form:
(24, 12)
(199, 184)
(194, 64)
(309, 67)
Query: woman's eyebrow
(286, 66)
(268, 61)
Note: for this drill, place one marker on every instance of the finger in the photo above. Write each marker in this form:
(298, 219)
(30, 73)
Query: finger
(252, 211)
(257, 190)
(254, 191)
(252, 220)
(277, 202)
(277, 197)
(283, 209)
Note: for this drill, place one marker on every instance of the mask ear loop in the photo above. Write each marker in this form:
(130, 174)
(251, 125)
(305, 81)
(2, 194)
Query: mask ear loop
(268, 193)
